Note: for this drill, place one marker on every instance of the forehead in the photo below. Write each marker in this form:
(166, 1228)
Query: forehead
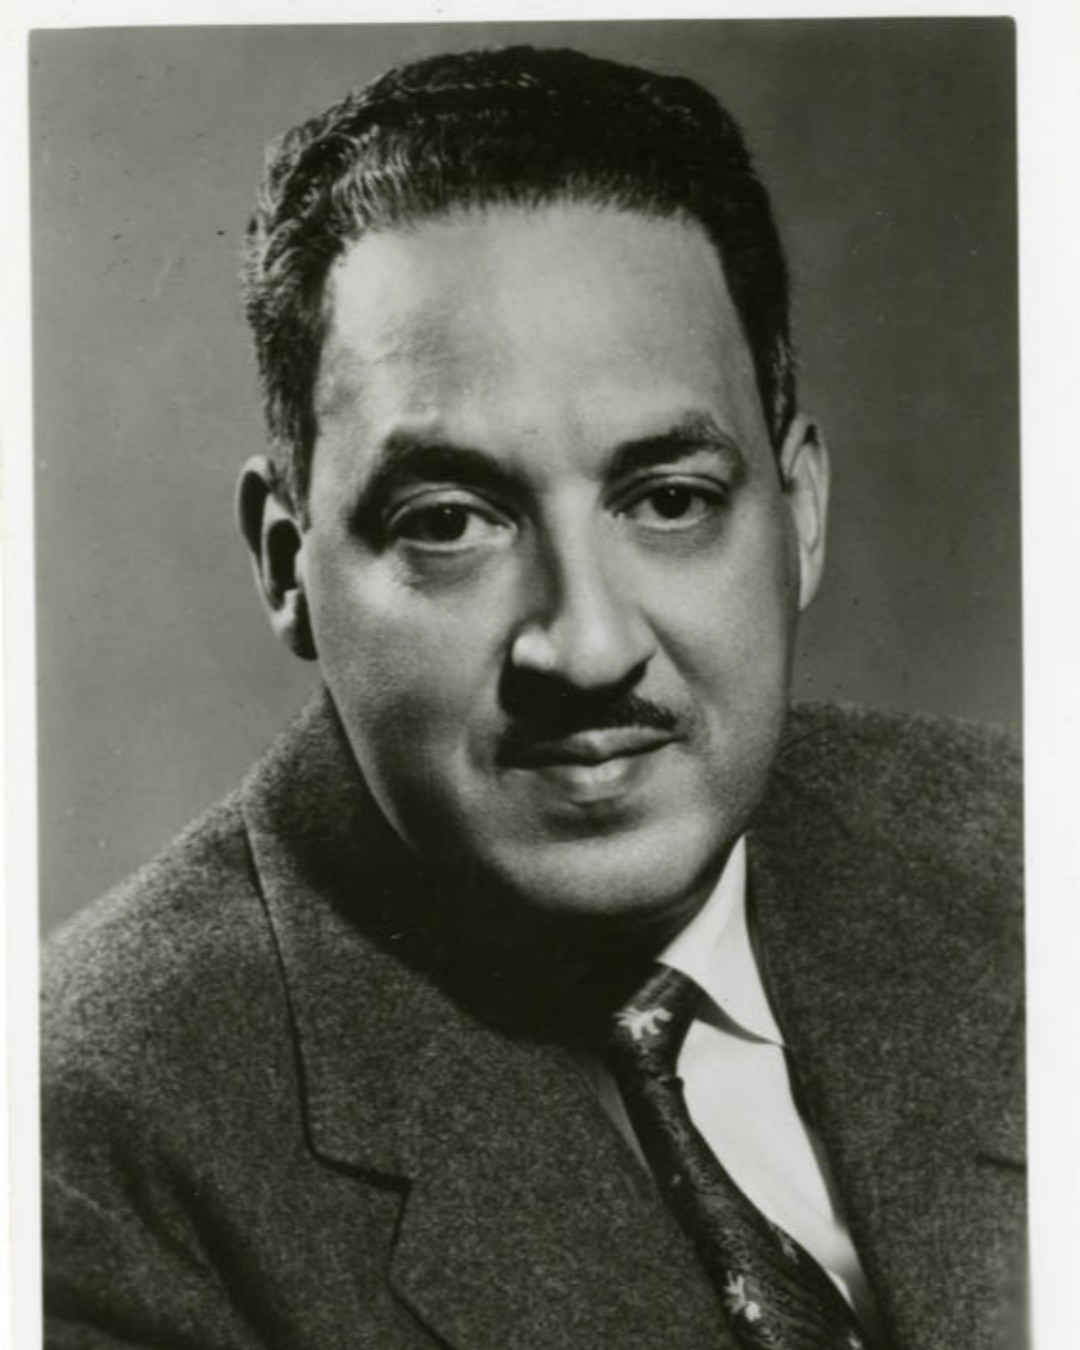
(526, 318)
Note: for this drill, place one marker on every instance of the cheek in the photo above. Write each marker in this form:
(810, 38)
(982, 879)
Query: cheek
(730, 622)
(406, 664)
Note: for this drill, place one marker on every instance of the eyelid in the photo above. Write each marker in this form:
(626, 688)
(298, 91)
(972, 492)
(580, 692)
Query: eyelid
(644, 485)
(434, 495)
(432, 498)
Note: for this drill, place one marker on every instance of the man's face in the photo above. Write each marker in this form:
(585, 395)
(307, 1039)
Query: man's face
(551, 568)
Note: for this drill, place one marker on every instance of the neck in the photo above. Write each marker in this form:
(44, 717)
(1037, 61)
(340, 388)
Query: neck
(532, 971)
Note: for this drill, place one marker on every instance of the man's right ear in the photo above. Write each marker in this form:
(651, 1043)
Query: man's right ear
(273, 535)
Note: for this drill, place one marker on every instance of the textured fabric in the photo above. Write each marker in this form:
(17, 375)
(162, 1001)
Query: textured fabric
(273, 1116)
(774, 1293)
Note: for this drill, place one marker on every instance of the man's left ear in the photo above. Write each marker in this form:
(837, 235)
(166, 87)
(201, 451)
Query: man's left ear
(804, 477)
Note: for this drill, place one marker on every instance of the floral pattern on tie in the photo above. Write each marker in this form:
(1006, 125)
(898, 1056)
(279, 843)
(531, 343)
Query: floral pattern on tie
(738, 1301)
(642, 1022)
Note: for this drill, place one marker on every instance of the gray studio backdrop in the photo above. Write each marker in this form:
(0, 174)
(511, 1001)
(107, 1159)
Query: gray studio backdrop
(890, 150)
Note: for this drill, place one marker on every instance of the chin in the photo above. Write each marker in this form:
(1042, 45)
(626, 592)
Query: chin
(616, 884)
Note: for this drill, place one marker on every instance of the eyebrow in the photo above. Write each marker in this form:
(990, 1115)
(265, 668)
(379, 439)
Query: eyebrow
(690, 435)
(407, 457)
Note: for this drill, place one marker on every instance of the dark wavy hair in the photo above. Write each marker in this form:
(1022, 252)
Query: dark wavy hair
(520, 126)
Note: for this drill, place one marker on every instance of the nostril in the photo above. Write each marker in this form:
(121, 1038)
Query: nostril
(554, 706)
(586, 656)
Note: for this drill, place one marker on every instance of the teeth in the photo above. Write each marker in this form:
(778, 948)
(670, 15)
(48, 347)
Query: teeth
(598, 773)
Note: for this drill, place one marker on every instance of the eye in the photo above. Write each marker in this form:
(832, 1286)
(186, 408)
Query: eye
(446, 525)
(674, 506)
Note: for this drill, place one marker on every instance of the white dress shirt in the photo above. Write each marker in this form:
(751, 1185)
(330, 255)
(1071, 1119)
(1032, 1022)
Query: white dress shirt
(734, 1054)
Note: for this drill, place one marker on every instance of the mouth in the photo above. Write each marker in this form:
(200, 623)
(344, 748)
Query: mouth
(586, 749)
(591, 768)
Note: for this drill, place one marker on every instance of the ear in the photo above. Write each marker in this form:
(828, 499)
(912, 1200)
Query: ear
(804, 476)
(274, 538)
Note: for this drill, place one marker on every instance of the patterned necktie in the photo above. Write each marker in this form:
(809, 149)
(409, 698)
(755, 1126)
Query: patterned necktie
(776, 1295)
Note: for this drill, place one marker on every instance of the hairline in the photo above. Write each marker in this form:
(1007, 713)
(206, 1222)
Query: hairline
(496, 198)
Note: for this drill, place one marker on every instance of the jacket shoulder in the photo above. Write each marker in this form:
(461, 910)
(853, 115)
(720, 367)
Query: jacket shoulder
(138, 987)
(934, 791)
(913, 742)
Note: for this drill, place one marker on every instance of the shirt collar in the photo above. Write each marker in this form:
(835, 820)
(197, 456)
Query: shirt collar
(714, 949)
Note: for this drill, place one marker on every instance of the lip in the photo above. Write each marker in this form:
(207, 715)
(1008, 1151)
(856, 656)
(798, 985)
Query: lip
(588, 749)
(593, 770)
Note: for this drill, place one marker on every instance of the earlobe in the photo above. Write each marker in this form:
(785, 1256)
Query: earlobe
(804, 473)
(274, 539)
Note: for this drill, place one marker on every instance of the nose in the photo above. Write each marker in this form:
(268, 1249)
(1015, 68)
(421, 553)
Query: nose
(584, 625)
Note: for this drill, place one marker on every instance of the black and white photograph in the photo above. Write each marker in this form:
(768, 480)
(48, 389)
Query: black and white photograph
(530, 685)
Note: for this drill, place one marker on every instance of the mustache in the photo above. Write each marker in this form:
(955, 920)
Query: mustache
(550, 714)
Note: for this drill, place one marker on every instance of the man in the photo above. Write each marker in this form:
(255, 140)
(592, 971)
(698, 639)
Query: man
(371, 1056)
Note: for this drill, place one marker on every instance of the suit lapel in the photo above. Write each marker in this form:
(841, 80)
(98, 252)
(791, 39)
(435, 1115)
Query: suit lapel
(872, 955)
(529, 1223)
(526, 1220)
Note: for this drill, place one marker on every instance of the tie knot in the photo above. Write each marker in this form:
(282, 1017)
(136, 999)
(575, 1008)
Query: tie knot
(646, 1032)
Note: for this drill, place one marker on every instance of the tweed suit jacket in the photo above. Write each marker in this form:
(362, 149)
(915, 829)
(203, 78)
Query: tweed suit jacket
(269, 1121)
